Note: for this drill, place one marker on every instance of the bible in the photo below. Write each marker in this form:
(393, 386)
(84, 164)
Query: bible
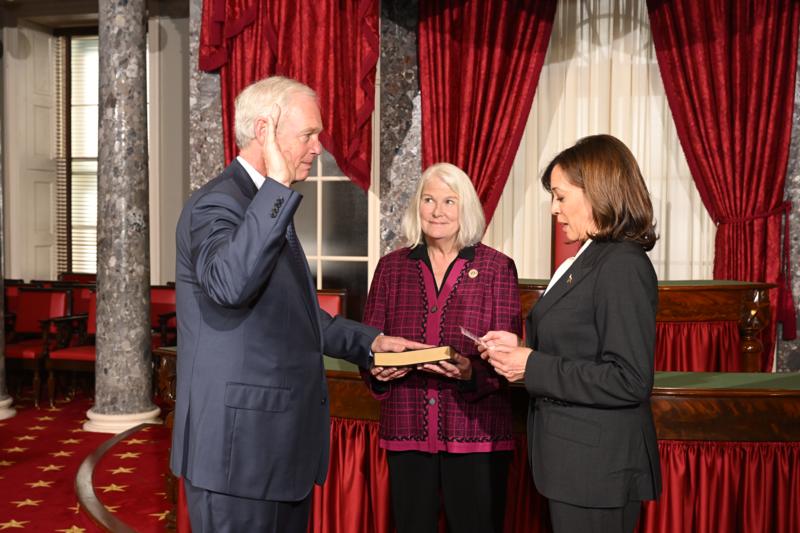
(413, 357)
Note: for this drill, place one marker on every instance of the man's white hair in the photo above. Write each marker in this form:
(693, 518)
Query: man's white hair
(257, 99)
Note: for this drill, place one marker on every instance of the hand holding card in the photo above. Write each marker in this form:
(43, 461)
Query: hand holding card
(471, 336)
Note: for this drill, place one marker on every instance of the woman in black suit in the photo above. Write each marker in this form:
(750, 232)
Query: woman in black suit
(588, 366)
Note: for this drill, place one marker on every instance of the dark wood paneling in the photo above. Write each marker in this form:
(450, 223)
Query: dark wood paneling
(700, 301)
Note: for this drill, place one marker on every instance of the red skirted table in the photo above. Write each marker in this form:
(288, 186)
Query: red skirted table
(728, 444)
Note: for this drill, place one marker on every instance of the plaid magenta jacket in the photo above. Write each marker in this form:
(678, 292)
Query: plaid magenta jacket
(424, 411)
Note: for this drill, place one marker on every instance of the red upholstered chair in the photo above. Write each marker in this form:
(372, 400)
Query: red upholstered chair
(81, 294)
(11, 287)
(32, 336)
(334, 301)
(78, 353)
(162, 315)
(11, 300)
(78, 277)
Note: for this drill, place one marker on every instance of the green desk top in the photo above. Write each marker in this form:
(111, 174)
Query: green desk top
(728, 380)
(668, 283)
(672, 380)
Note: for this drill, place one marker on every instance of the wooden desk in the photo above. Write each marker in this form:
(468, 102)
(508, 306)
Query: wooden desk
(721, 406)
(745, 303)
(727, 406)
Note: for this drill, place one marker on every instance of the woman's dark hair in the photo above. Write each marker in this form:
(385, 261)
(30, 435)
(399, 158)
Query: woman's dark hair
(607, 172)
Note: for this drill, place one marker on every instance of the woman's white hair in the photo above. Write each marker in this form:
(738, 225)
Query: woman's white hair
(257, 99)
(471, 219)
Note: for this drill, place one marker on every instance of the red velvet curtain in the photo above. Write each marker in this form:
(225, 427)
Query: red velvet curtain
(479, 64)
(726, 487)
(709, 487)
(331, 46)
(729, 73)
(355, 497)
(698, 347)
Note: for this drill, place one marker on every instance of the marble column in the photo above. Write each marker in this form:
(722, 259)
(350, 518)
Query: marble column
(207, 155)
(789, 351)
(6, 411)
(123, 373)
(401, 119)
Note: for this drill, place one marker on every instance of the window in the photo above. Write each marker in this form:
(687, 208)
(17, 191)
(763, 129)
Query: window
(332, 225)
(77, 94)
(77, 58)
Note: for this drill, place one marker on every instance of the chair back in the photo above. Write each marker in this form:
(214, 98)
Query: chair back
(12, 298)
(162, 300)
(36, 304)
(81, 294)
(91, 311)
(333, 301)
(78, 277)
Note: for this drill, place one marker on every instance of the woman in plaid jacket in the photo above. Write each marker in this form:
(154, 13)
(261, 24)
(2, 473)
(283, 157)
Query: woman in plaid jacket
(446, 426)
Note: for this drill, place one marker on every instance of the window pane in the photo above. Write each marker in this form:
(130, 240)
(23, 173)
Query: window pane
(85, 68)
(344, 219)
(84, 131)
(84, 193)
(351, 276)
(84, 249)
(305, 219)
(329, 166)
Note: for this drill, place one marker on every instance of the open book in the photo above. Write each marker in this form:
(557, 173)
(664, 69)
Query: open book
(414, 357)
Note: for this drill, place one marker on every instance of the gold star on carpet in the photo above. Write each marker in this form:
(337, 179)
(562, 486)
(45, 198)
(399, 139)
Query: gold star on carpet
(82, 421)
(122, 470)
(72, 529)
(79, 430)
(161, 516)
(50, 468)
(37, 428)
(27, 502)
(53, 409)
(26, 437)
(16, 449)
(113, 508)
(148, 428)
(6, 463)
(114, 488)
(136, 441)
(61, 453)
(70, 441)
(128, 455)
(13, 523)
(40, 483)
(45, 418)
(76, 508)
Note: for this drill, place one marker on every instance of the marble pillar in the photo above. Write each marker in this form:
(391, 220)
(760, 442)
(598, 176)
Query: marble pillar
(6, 411)
(789, 351)
(123, 372)
(206, 152)
(400, 117)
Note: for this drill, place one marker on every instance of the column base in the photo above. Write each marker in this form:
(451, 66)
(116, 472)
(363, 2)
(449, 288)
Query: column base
(99, 423)
(6, 411)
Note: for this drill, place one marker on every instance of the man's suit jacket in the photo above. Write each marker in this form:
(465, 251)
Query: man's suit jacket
(590, 428)
(252, 417)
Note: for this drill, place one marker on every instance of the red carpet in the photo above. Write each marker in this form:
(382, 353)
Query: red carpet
(40, 452)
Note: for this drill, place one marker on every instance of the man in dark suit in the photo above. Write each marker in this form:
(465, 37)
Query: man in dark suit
(251, 419)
